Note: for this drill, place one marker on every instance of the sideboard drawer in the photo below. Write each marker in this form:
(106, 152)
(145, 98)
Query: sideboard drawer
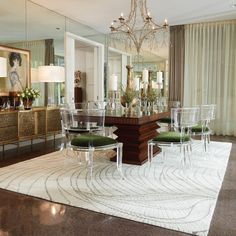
(8, 119)
(53, 120)
(8, 134)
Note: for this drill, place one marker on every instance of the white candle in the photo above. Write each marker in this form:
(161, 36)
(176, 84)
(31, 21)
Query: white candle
(145, 76)
(154, 85)
(113, 83)
(136, 85)
(159, 77)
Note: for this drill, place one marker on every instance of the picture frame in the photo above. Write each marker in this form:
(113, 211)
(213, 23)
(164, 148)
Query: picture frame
(18, 69)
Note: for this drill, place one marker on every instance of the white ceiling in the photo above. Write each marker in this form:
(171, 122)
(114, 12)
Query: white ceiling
(98, 14)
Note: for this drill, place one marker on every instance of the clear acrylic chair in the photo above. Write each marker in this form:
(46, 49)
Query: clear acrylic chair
(165, 122)
(182, 119)
(66, 117)
(207, 114)
(85, 128)
(108, 130)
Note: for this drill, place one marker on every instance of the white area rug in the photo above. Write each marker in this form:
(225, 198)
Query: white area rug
(164, 195)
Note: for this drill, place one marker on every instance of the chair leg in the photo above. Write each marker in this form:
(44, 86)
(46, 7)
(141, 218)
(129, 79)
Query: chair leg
(189, 152)
(208, 138)
(90, 164)
(205, 143)
(191, 146)
(119, 154)
(184, 151)
(78, 155)
(62, 146)
(150, 153)
(183, 155)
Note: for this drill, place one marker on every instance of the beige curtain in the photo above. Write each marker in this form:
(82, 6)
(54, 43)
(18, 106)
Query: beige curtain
(50, 88)
(49, 51)
(210, 71)
(176, 63)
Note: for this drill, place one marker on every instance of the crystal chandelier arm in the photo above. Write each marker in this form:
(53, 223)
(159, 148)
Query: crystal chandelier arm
(143, 9)
(132, 11)
(130, 33)
(132, 29)
(141, 39)
(157, 27)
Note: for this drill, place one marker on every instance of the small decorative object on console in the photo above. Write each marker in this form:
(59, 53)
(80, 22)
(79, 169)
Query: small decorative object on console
(28, 95)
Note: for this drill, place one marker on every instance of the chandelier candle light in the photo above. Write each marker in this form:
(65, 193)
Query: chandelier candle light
(139, 26)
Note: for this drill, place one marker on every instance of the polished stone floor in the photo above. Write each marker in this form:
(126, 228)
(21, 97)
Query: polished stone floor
(22, 215)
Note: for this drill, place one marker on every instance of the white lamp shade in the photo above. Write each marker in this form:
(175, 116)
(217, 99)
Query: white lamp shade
(34, 75)
(3, 67)
(51, 74)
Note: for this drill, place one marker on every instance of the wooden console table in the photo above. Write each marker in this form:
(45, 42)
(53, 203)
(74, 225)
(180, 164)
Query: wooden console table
(134, 131)
(21, 125)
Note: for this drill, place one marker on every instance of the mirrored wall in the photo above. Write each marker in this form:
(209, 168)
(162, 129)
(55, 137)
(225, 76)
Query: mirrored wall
(31, 28)
(27, 26)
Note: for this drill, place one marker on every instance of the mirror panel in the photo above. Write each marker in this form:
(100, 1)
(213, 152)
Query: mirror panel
(155, 59)
(12, 21)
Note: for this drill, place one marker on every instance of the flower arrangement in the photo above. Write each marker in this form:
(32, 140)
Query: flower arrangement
(29, 93)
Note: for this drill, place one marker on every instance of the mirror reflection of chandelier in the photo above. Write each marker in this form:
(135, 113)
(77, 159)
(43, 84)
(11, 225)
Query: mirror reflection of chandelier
(138, 29)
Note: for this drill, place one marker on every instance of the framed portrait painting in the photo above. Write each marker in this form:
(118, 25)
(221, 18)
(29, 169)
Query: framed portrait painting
(18, 69)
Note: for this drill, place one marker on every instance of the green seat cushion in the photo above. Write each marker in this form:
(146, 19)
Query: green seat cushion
(198, 129)
(172, 137)
(166, 120)
(91, 140)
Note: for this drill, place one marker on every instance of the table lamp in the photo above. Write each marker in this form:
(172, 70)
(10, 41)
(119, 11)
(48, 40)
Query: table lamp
(3, 67)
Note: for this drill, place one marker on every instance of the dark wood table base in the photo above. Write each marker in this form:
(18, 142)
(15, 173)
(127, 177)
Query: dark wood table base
(134, 133)
(135, 141)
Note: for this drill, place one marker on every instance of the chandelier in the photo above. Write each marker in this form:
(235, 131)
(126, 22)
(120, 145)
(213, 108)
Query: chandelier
(138, 28)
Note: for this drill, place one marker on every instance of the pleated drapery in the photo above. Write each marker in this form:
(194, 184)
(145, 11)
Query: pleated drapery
(176, 63)
(210, 71)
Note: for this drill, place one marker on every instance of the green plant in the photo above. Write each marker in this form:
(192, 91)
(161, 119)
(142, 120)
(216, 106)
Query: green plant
(129, 94)
(29, 93)
(152, 95)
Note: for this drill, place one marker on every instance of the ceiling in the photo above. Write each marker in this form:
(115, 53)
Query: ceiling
(99, 14)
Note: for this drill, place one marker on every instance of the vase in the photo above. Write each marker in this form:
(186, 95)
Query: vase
(27, 103)
(129, 76)
(151, 106)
